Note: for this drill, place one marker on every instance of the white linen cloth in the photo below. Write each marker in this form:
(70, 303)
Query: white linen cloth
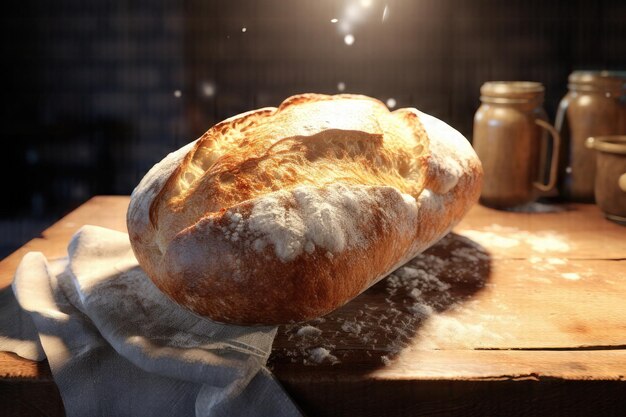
(117, 346)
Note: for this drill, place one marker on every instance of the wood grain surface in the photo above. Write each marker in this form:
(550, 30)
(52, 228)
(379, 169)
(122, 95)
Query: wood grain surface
(512, 314)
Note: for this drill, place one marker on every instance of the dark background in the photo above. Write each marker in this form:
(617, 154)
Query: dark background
(96, 92)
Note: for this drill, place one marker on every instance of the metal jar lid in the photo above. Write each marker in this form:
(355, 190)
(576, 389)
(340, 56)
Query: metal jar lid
(506, 92)
(597, 81)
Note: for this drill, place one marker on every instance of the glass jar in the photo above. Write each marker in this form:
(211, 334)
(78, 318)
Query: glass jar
(592, 107)
(509, 132)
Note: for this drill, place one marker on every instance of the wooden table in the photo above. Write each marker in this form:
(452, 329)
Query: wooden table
(512, 314)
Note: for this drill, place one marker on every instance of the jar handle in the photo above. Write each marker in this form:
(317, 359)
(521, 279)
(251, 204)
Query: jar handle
(621, 182)
(555, 156)
(559, 121)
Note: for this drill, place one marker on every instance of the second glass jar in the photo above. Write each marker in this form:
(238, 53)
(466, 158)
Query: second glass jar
(509, 129)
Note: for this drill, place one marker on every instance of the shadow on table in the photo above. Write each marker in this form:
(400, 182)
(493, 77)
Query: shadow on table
(15, 323)
(372, 329)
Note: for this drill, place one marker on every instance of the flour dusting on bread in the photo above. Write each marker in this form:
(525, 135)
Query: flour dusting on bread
(328, 218)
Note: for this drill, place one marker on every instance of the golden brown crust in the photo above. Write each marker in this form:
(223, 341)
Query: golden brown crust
(266, 289)
(282, 215)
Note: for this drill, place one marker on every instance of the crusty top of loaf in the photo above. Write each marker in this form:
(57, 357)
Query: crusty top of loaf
(283, 214)
(310, 140)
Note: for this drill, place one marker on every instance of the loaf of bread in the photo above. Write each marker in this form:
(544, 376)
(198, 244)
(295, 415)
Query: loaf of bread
(281, 215)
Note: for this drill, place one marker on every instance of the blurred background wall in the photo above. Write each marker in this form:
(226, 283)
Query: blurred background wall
(96, 92)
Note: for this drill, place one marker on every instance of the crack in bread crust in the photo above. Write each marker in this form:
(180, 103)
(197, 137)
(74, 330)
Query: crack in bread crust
(255, 154)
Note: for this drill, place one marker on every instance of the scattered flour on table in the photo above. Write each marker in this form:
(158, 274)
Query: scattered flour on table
(470, 254)
(443, 331)
(545, 242)
(546, 264)
(309, 331)
(496, 235)
(547, 261)
(351, 327)
(572, 276)
(320, 354)
(408, 300)
(555, 265)
(492, 239)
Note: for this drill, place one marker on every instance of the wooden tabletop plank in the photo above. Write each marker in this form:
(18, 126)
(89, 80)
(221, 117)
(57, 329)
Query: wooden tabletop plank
(578, 304)
(506, 364)
(544, 284)
(574, 231)
(472, 365)
(15, 367)
(104, 211)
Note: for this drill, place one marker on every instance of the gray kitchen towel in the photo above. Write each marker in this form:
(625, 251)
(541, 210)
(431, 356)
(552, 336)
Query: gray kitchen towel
(118, 347)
